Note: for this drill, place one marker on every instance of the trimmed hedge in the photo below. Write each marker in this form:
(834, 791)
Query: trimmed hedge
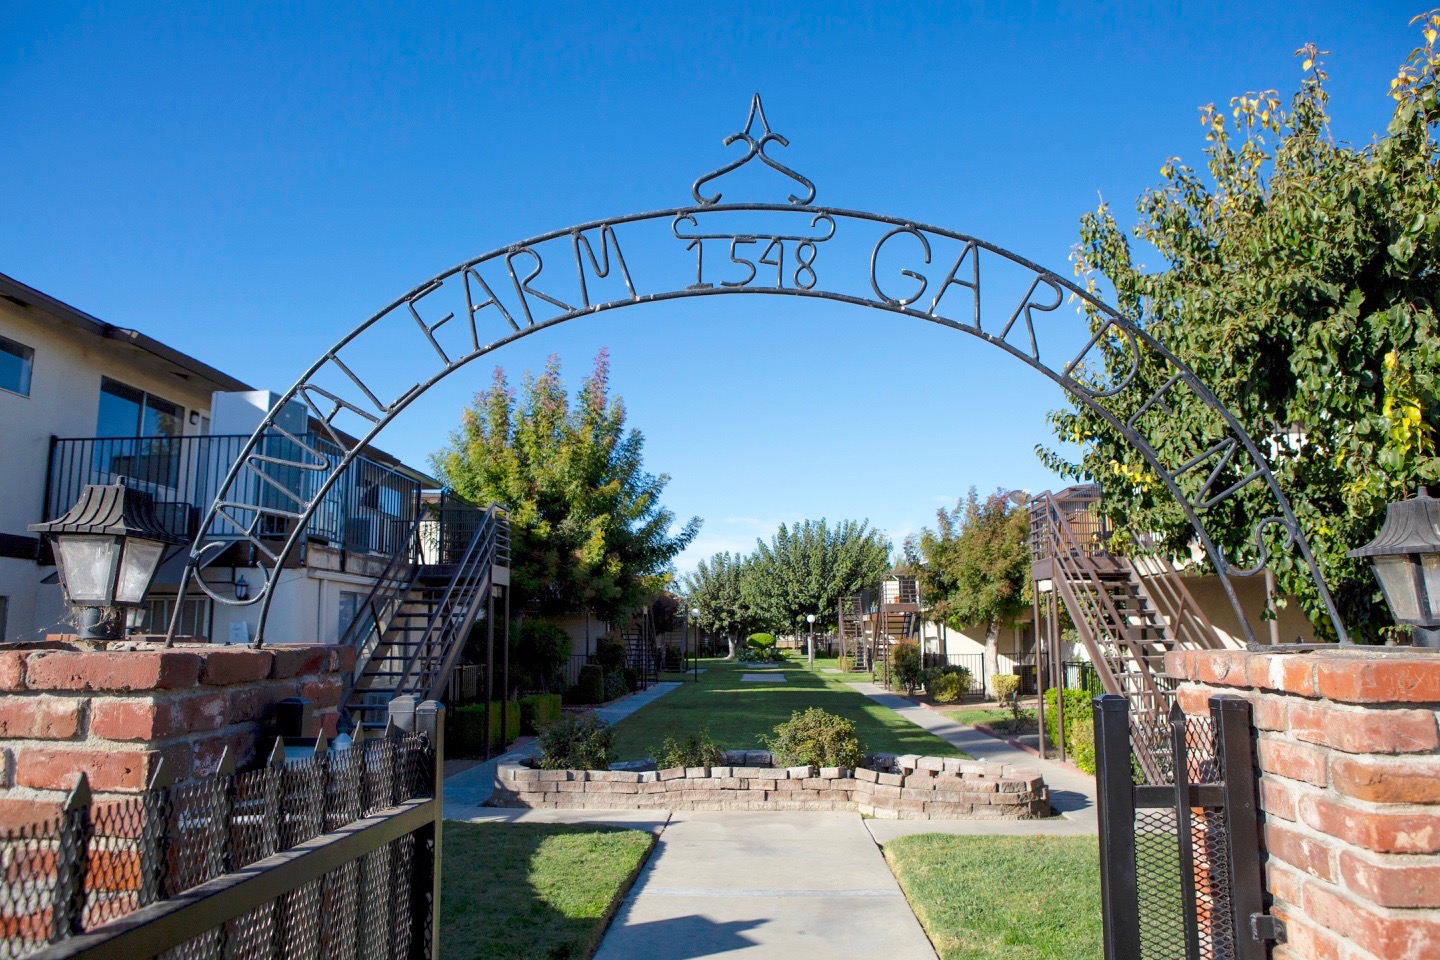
(1079, 727)
(465, 735)
(537, 710)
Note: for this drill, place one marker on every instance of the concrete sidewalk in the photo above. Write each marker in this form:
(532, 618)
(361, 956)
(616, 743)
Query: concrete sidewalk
(467, 791)
(765, 886)
(1072, 793)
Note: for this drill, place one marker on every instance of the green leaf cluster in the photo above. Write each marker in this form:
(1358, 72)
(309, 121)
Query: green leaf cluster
(974, 567)
(588, 530)
(1298, 279)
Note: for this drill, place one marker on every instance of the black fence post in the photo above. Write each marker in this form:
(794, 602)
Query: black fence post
(72, 862)
(155, 834)
(425, 888)
(1119, 891)
(1231, 716)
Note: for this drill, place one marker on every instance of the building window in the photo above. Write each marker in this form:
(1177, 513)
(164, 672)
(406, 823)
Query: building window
(128, 412)
(16, 360)
(350, 602)
(194, 616)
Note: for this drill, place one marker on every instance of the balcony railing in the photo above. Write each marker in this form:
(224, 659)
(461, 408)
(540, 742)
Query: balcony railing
(369, 509)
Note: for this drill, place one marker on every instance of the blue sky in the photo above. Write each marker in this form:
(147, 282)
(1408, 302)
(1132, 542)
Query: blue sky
(247, 183)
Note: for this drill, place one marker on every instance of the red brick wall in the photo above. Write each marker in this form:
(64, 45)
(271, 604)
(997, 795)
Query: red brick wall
(113, 714)
(1349, 756)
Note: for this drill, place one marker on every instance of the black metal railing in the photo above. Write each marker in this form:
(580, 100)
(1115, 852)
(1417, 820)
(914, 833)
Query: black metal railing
(300, 858)
(369, 509)
(972, 663)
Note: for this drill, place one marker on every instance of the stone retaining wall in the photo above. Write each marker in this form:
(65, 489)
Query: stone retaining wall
(906, 787)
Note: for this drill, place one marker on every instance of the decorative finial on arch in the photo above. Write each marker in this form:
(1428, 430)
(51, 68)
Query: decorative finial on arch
(755, 148)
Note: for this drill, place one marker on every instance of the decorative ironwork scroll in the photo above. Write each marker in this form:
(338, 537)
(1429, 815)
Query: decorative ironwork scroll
(786, 248)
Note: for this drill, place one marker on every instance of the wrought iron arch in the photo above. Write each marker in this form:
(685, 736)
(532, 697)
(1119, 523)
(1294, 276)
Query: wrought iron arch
(281, 476)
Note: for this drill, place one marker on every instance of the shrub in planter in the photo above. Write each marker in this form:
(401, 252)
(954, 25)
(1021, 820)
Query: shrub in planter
(537, 710)
(691, 750)
(944, 688)
(1007, 685)
(576, 742)
(905, 662)
(632, 679)
(815, 737)
(609, 653)
(615, 687)
(590, 686)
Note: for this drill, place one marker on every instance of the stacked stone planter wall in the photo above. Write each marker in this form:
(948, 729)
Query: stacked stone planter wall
(889, 787)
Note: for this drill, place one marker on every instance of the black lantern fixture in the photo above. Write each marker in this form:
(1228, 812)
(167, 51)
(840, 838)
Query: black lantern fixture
(1406, 557)
(107, 550)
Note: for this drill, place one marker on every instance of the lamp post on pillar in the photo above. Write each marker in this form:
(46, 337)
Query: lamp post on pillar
(810, 619)
(1405, 555)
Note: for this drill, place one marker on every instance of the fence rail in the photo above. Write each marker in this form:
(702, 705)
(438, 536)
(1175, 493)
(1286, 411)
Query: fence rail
(335, 854)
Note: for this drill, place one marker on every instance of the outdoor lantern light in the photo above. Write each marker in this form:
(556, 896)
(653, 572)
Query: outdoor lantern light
(242, 589)
(1406, 557)
(107, 549)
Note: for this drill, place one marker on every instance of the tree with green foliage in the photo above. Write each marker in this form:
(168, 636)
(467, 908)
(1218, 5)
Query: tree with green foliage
(1298, 280)
(973, 569)
(809, 568)
(587, 527)
(717, 590)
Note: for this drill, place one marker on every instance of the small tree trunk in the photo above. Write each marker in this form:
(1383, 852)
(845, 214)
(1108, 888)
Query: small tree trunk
(730, 639)
(992, 650)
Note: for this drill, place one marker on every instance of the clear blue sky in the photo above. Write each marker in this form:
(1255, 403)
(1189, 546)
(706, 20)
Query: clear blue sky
(248, 184)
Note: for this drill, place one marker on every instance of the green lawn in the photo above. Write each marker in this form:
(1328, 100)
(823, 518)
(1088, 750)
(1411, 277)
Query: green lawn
(738, 713)
(1003, 898)
(543, 891)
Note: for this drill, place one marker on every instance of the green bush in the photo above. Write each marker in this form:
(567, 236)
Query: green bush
(541, 650)
(1076, 703)
(1080, 732)
(589, 686)
(632, 678)
(615, 685)
(1007, 685)
(609, 653)
(465, 728)
(906, 664)
(577, 741)
(945, 688)
(537, 710)
(847, 664)
(815, 738)
(691, 750)
(761, 641)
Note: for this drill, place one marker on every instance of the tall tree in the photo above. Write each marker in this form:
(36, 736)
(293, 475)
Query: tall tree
(587, 527)
(1299, 281)
(809, 568)
(717, 590)
(974, 567)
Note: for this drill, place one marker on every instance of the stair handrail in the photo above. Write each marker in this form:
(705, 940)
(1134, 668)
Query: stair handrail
(393, 589)
(475, 564)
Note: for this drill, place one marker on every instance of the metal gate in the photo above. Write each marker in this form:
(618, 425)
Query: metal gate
(1180, 873)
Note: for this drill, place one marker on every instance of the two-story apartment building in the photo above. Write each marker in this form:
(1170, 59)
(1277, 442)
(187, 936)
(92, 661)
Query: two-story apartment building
(83, 401)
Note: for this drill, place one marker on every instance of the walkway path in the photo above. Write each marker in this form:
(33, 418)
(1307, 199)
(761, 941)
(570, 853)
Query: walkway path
(765, 886)
(469, 789)
(1072, 793)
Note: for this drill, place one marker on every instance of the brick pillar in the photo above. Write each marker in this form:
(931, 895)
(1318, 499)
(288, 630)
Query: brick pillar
(115, 713)
(1349, 756)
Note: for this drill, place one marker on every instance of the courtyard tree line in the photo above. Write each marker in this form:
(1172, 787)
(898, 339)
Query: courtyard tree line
(804, 569)
(1298, 280)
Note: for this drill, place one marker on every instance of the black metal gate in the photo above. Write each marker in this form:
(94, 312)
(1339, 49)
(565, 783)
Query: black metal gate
(1180, 871)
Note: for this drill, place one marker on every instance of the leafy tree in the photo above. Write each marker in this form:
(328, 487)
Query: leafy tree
(716, 589)
(587, 527)
(974, 567)
(1299, 282)
(809, 568)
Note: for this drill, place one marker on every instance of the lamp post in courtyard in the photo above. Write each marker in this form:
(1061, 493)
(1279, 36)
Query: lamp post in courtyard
(1405, 555)
(810, 619)
(107, 550)
(695, 659)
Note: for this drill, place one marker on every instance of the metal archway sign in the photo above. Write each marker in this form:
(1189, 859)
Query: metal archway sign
(793, 248)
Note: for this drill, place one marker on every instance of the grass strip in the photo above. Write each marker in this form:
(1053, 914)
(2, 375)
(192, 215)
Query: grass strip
(737, 712)
(1003, 898)
(541, 891)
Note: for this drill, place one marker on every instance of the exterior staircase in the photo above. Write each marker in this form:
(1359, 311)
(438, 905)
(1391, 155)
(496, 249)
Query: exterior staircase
(870, 623)
(412, 627)
(1128, 612)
